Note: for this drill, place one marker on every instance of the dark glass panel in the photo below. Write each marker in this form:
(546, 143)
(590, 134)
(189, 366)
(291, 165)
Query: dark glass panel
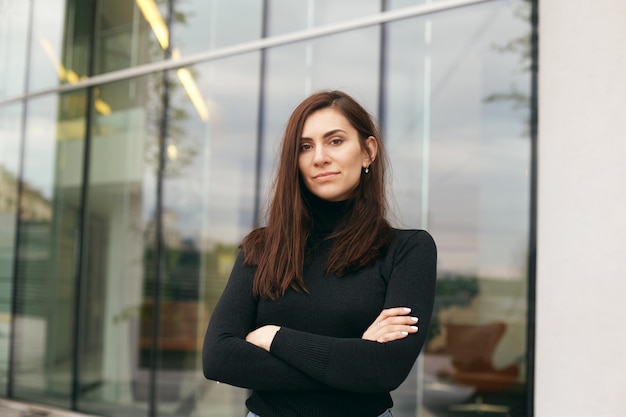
(130, 33)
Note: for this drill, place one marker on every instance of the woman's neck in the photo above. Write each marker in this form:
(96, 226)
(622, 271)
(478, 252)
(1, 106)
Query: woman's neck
(326, 215)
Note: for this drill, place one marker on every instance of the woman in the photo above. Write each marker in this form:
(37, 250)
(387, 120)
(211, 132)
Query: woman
(319, 315)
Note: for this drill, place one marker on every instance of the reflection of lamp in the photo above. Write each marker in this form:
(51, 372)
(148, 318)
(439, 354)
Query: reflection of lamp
(155, 20)
(64, 74)
(152, 15)
(100, 105)
(191, 88)
(172, 151)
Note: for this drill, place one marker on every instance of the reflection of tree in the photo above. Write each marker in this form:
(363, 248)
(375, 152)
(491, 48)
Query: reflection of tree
(180, 148)
(522, 46)
(452, 290)
(165, 113)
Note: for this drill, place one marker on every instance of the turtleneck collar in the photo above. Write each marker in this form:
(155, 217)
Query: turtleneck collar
(325, 214)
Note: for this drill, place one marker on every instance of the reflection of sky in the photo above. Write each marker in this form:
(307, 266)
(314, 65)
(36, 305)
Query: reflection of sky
(10, 124)
(40, 145)
(48, 23)
(214, 195)
(288, 15)
(478, 184)
(13, 37)
(212, 24)
(478, 188)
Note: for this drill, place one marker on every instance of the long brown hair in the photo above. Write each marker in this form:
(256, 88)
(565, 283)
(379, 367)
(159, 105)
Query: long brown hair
(278, 250)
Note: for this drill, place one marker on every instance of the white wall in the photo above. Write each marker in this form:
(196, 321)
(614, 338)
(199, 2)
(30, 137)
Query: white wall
(581, 265)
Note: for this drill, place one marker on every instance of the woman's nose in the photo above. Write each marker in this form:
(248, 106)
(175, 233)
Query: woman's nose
(320, 156)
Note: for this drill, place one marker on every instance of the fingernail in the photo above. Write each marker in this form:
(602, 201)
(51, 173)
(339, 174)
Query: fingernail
(407, 309)
(405, 333)
(414, 319)
(414, 328)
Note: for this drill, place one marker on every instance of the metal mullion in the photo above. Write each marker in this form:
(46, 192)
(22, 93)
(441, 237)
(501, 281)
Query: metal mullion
(159, 267)
(382, 72)
(532, 235)
(82, 226)
(256, 209)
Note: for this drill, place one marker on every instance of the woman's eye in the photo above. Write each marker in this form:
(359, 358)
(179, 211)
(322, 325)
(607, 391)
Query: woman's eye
(336, 141)
(305, 147)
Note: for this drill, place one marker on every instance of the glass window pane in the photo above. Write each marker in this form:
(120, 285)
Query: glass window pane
(10, 134)
(201, 25)
(456, 119)
(119, 246)
(13, 41)
(49, 222)
(455, 109)
(208, 189)
(286, 16)
(398, 4)
(208, 208)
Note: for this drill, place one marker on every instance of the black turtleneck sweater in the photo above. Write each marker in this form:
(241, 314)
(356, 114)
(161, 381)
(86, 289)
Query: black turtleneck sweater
(318, 365)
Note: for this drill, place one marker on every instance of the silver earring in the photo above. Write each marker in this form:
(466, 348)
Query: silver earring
(367, 170)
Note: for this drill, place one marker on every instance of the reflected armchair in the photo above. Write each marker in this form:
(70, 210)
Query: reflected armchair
(471, 348)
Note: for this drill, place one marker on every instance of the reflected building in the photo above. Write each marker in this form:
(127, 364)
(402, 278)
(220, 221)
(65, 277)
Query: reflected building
(145, 138)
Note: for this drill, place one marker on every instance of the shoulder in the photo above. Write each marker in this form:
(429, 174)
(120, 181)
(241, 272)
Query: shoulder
(419, 237)
(414, 244)
(412, 253)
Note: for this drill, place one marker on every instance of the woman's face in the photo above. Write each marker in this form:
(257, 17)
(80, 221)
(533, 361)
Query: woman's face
(331, 156)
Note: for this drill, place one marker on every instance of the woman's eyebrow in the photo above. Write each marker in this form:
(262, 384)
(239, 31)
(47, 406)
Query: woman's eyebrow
(327, 134)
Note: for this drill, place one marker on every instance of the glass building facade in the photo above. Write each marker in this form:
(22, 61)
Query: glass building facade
(137, 145)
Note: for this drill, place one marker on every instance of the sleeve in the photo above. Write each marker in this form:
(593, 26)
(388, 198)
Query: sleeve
(227, 357)
(365, 366)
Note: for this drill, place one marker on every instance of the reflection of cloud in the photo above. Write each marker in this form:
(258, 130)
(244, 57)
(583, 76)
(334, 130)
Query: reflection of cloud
(213, 198)
(39, 158)
(478, 204)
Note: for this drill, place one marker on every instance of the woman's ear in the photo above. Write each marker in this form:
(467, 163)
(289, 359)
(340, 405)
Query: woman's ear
(370, 151)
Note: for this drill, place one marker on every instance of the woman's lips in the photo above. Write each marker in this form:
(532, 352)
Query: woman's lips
(325, 176)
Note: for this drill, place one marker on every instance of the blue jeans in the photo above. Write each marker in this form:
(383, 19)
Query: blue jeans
(385, 414)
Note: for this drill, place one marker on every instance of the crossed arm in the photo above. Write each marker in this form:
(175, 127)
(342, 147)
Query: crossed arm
(391, 324)
(274, 358)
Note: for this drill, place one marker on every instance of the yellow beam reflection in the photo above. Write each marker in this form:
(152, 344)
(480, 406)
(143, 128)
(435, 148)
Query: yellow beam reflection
(151, 13)
(191, 88)
(69, 75)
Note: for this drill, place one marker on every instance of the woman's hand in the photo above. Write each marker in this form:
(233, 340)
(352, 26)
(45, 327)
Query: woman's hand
(263, 336)
(391, 324)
